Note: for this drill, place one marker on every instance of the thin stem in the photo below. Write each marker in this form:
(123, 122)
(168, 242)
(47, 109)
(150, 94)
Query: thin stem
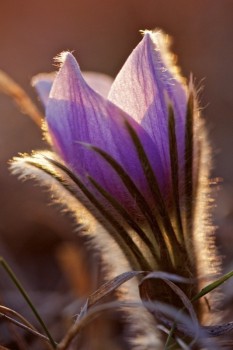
(21, 98)
(4, 310)
(170, 337)
(24, 326)
(27, 299)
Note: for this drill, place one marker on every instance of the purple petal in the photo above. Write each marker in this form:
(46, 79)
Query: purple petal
(142, 89)
(100, 82)
(76, 113)
(43, 83)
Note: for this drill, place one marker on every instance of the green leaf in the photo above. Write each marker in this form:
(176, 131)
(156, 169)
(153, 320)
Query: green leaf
(27, 299)
(212, 286)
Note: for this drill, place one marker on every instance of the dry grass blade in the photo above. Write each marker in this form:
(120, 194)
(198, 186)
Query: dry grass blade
(194, 330)
(218, 330)
(7, 310)
(90, 316)
(86, 315)
(107, 288)
(26, 297)
(26, 327)
(160, 275)
(167, 314)
(165, 275)
(181, 343)
(112, 285)
(168, 278)
(188, 305)
(9, 87)
(78, 326)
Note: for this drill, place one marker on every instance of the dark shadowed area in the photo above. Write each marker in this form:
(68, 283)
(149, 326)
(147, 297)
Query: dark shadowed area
(34, 236)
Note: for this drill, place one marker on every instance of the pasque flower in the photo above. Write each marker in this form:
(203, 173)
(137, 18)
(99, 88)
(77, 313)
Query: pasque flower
(135, 150)
(135, 159)
(77, 115)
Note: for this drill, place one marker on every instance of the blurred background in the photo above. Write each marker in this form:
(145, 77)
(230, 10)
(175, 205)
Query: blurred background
(33, 233)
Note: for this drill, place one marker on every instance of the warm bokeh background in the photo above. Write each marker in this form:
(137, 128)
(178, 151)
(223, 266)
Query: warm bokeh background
(102, 34)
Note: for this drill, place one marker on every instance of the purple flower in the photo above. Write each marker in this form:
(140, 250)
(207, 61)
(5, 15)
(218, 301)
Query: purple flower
(137, 159)
(77, 115)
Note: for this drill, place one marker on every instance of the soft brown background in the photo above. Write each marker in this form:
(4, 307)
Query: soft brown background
(102, 34)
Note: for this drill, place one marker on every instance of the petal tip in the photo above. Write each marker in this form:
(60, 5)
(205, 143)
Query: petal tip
(160, 43)
(146, 32)
(152, 35)
(65, 57)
